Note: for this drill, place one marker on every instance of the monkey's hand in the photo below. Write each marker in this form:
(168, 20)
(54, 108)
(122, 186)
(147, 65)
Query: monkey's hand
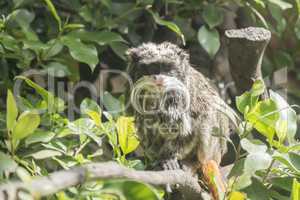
(170, 164)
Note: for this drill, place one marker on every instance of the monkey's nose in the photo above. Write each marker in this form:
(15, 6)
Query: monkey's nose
(158, 80)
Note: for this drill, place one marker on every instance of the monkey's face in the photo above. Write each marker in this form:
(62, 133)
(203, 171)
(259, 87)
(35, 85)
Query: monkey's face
(160, 93)
(166, 100)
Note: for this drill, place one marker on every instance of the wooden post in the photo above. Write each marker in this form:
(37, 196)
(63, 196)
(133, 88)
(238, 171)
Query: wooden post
(246, 49)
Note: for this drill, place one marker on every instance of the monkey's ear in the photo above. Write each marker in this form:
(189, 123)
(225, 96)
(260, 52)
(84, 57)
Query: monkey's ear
(132, 54)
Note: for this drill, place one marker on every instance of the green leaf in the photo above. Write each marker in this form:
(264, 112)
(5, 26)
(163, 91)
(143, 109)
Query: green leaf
(56, 69)
(9, 42)
(113, 105)
(277, 195)
(250, 98)
(257, 88)
(253, 146)
(282, 4)
(1, 49)
(127, 134)
(261, 3)
(290, 160)
(86, 13)
(52, 48)
(263, 117)
(297, 28)
(260, 17)
(136, 164)
(12, 111)
(79, 51)
(119, 49)
(237, 169)
(118, 7)
(283, 59)
(237, 196)
(295, 159)
(54, 13)
(298, 7)
(212, 15)
(99, 37)
(257, 161)
(39, 136)
(243, 181)
(92, 109)
(36, 46)
(89, 105)
(24, 18)
(17, 3)
(7, 163)
(26, 125)
(106, 3)
(276, 13)
(86, 126)
(54, 104)
(135, 191)
(296, 190)
(95, 116)
(295, 147)
(172, 26)
(132, 190)
(209, 40)
(287, 116)
(41, 91)
(73, 26)
(257, 191)
(284, 183)
(146, 2)
(297, 24)
(43, 154)
(246, 102)
(281, 130)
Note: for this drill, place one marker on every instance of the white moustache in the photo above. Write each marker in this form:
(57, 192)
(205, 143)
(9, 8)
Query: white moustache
(170, 88)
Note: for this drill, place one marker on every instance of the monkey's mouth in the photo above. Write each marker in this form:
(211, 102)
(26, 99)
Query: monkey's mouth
(160, 95)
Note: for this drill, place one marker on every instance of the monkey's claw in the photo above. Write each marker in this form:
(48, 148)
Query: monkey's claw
(171, 164)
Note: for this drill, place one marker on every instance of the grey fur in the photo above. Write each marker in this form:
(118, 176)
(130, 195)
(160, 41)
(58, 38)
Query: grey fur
(193, 142)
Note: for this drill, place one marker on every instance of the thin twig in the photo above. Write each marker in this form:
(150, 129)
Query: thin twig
(268, 171)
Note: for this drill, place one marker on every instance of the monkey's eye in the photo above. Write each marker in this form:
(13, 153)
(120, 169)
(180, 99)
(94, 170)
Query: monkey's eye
(151, 69)
(165, 68)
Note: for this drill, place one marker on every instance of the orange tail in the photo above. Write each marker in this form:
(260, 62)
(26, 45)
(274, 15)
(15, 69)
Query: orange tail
(213, 179)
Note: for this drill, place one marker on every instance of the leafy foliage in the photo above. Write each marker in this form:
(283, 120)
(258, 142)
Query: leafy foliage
(32, 144)
(61, 38)
(253, 170)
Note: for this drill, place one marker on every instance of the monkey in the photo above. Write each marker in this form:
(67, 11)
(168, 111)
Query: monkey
(176, 112)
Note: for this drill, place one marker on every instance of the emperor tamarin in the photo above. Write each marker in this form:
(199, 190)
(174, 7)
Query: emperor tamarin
(176, 109)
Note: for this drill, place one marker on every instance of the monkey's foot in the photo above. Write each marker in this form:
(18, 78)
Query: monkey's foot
(171, 164)
(213, 179)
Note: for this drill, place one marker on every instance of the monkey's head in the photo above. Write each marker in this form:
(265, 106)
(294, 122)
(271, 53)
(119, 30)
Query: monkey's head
(159, 73)
(153, 60)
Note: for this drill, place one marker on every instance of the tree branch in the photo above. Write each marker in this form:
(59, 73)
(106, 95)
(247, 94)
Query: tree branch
(57, 181)
(246, 49)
